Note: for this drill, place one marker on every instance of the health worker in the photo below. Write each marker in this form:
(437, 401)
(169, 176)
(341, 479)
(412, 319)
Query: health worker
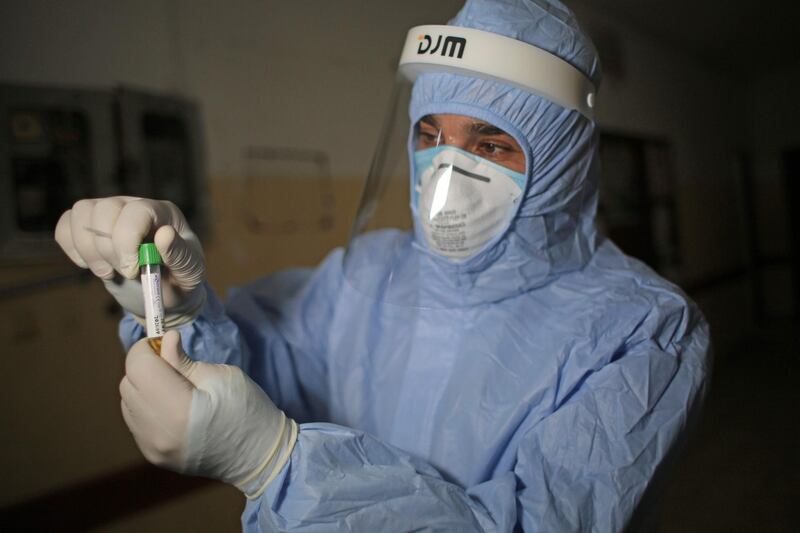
(495, 365)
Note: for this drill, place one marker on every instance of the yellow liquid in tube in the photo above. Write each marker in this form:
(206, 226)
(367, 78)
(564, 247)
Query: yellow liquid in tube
(155, 344)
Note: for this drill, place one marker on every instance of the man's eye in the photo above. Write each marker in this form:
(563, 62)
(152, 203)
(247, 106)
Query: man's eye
(427, 138)
(492, 148)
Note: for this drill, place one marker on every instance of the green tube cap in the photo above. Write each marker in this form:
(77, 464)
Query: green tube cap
(148, 254)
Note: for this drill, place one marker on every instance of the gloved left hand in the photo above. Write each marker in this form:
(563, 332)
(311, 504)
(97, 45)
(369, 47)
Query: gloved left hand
(104, 235)
(203, 419)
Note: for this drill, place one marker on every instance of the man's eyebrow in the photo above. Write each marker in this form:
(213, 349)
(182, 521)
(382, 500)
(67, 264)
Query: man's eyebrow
(429, 120)
(483, 128)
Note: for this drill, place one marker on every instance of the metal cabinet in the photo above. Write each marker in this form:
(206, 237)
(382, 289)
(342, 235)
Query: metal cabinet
(58, 145)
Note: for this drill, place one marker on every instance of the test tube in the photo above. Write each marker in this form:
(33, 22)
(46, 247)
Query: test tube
(150, 270)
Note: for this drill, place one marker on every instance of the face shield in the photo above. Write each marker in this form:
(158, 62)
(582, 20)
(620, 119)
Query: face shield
(444, 189)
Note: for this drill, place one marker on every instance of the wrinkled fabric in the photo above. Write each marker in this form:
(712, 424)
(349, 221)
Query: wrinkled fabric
(539, 385)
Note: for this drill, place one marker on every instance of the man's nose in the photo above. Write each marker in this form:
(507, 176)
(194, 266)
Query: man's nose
(459, 141)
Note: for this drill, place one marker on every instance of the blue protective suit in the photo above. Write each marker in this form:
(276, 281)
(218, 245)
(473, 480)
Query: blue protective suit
(539, 385)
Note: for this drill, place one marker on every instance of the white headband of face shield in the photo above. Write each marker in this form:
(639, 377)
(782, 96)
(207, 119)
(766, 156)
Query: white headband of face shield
(438, 48)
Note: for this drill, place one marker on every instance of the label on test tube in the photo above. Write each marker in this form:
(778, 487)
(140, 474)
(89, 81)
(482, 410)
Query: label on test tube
(149, 262)
(153, 305)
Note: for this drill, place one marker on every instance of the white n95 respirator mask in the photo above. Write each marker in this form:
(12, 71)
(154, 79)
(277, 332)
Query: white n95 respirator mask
(462, 200)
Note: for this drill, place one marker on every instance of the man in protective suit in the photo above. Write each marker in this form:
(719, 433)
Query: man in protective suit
(499, 367)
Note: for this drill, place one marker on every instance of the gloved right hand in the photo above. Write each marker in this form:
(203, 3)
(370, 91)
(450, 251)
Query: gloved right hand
(204, 419)
(104, 235)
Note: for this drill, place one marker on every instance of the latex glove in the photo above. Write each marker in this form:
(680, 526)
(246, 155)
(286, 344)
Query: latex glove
(126, 222)
(204, 419)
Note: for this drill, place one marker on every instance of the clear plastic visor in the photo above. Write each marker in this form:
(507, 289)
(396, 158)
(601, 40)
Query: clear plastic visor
(446, 185)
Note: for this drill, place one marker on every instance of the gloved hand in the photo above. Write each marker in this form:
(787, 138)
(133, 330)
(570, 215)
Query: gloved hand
(203, 419)
(104, 235)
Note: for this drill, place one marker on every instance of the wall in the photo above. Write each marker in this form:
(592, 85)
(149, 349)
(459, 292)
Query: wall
(312, 74)
(774, 127)
(662, 93)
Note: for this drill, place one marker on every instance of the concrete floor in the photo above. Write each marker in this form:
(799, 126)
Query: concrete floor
(740, 471)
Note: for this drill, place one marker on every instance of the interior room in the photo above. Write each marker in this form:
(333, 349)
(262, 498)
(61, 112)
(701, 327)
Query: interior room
(260, 118)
